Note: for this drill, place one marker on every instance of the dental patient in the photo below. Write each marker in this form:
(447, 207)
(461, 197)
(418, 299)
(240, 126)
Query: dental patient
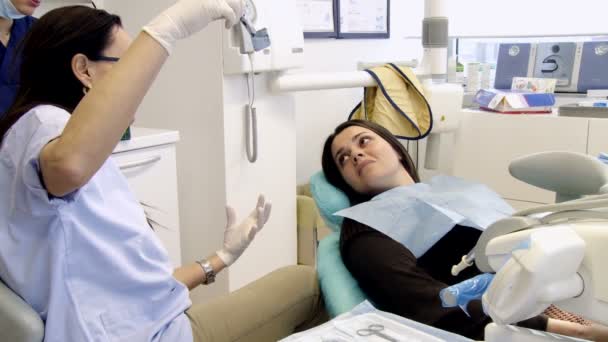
(365, 160)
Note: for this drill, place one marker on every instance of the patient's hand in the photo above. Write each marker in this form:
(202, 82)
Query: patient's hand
(598, 333)
(595, 332)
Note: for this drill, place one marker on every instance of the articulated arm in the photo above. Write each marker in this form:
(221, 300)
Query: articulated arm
(557, 264)
(534, 269)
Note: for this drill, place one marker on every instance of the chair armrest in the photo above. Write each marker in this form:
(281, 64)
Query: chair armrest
(18, 321)
(269, 309)
(307, 231)
(311, 230)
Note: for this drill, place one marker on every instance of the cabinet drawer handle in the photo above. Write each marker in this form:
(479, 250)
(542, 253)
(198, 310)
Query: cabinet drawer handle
(138, 163)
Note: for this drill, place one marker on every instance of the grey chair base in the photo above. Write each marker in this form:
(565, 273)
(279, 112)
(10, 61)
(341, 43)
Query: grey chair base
(18, 321)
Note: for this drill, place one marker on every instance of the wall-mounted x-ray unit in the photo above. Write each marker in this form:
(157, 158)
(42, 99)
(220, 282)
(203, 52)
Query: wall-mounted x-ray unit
(284, 31)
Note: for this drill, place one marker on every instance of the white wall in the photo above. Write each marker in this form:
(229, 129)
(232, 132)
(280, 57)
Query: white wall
(47, 5)
(273, 174)
(318, 112)
(187, 96)
(526, 18)
(193, 96)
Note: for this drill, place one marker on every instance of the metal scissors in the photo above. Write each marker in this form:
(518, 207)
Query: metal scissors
(375, 329)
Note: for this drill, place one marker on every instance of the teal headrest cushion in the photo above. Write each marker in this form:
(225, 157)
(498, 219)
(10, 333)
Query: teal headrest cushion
(329, 200)
(341, 292)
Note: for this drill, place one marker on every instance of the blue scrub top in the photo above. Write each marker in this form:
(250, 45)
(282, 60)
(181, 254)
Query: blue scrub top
(9, 65)
(87, 263)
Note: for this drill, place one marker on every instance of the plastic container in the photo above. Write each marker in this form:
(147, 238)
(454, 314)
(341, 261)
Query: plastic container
(473, 77)
(485, 72)
(452, 75)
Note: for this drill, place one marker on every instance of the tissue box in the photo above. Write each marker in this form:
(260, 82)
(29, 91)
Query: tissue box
(514, 102)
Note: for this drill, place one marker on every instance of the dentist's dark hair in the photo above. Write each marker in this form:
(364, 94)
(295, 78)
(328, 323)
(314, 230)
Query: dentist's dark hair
(47, 51)
(332, 173)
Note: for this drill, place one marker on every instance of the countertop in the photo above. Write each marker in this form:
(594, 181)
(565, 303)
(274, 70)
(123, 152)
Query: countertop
(147, 137)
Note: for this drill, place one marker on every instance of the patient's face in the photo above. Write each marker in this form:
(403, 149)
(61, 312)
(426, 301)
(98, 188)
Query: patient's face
(367, 162)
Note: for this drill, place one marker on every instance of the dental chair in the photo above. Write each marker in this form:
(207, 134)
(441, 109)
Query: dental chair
(268, 322)
(256, 312)
(572, 176)
(18, 321)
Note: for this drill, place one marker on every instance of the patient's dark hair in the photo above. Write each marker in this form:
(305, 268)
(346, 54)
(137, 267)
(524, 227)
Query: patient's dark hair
(332, 173)
(47, 51)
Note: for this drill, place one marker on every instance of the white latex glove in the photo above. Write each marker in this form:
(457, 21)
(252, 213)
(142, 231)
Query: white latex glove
(238, 237)
(187, 17)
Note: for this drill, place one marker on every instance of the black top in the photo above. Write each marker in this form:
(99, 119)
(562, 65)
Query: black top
(397, 282)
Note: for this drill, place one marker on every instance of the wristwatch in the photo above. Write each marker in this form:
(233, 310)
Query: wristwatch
(208, 270)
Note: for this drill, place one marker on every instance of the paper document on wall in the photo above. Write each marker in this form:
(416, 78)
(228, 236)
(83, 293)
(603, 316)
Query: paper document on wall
(316, 15)
(365, 323)
(362, 16)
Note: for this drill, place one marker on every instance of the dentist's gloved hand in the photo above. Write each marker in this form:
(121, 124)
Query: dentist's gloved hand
(237, 237)
(187, 17)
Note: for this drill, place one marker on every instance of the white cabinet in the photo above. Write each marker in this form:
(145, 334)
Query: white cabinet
(487, 142)
(148, 162)
(598, 136)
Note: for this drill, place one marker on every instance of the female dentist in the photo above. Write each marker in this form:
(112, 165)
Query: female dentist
(74, 242)
(15, 20)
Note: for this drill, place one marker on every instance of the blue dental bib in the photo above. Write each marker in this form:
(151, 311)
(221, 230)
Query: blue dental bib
(420, 214)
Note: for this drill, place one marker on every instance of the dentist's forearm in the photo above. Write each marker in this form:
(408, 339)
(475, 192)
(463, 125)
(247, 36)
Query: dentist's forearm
(100, 119)
(192, 275)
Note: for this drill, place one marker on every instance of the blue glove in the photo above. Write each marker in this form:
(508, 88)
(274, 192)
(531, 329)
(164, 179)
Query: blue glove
(462, 293)
(603, 157)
